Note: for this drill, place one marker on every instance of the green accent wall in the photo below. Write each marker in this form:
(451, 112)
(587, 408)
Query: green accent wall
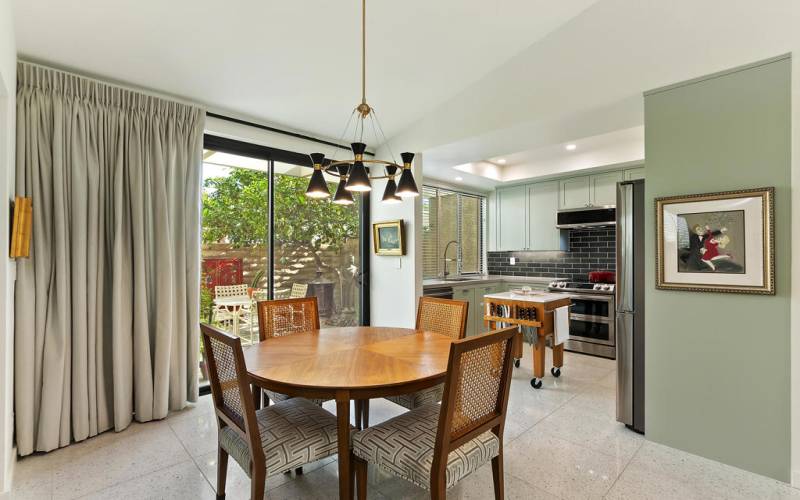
(718, 365)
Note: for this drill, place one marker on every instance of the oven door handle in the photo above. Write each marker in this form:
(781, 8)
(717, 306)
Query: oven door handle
(599, 298)
(589, 318)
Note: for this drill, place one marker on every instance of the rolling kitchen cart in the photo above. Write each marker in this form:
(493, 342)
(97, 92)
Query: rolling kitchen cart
(535, 309)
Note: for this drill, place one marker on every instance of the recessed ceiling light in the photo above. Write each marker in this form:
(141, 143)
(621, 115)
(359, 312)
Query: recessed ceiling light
(571, 147)
(501, 161)
(459, 179)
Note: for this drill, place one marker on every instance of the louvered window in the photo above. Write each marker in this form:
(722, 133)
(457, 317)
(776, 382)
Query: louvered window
(451, 216)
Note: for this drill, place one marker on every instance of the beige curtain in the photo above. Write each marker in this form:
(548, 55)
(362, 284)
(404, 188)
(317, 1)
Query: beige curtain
(107, 306)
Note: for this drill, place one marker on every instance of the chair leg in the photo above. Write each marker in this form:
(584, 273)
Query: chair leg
(497, 476)
(357, 413)
(438, 487)
(257, 483)
(360, 467)
(222, 472)
(365, 416)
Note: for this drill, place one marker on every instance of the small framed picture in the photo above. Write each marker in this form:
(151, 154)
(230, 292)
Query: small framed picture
(717, 242)
(387, 238)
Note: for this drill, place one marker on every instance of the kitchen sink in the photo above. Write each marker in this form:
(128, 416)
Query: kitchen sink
(455, 278)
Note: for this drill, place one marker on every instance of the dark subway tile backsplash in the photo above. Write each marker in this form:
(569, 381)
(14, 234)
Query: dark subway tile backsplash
(590, 250)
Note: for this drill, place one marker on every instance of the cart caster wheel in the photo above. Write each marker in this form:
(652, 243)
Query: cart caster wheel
(556, 372)
(536, 383)
(516, 363)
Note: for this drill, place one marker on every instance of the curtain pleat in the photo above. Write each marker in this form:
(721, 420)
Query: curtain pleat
(107, 307)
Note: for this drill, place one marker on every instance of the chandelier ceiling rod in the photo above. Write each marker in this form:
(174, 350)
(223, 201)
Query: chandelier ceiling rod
(364, 51)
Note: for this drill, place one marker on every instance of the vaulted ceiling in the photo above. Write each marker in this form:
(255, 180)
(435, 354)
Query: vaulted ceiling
(291, 63)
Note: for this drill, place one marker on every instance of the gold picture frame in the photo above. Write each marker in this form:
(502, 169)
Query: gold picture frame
(388, 238)
(696, 251)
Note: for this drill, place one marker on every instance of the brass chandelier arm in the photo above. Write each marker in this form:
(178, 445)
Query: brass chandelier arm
(331, 170)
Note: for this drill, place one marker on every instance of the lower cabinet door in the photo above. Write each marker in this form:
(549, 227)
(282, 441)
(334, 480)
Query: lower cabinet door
(468, 295)
(480, 325)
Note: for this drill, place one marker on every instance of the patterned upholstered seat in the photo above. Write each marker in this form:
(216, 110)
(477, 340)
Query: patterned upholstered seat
(447, 317)
(420, 398)
(404, 446)
(293, 432)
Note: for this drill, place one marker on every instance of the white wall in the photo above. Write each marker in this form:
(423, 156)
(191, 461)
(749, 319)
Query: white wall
(795, 278)
(8, 88)
(396, 282)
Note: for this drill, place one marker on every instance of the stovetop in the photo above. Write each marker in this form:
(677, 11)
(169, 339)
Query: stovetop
(582, 287)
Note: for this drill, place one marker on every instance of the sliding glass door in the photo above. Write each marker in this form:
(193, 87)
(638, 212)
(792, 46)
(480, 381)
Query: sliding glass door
(262, 238)
(316, 247)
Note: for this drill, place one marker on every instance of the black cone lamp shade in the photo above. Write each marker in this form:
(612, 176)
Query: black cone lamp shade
(343, 196)
(317, 187)
(407, 187)
(389, 195)
(358, 180)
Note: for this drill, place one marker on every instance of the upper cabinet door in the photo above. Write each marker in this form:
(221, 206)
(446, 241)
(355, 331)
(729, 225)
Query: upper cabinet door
(634, 173)
(542, 210)
(511, 218)
(604, 188)
(575, 193)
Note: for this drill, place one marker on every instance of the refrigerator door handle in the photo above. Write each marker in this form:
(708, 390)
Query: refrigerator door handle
(625, 367)
(625, 247)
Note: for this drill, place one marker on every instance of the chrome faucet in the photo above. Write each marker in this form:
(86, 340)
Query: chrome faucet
(445, 260)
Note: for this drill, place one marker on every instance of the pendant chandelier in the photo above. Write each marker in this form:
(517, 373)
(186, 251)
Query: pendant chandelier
(355, 175)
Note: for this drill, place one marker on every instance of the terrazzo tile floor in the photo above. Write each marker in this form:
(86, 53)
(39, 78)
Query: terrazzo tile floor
(561, 442)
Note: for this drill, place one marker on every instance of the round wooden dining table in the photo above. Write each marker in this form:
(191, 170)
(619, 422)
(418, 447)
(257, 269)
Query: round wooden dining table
(351, 363)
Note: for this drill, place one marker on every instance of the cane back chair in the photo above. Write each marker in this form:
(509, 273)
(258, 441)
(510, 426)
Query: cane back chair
(435, 446)
(444, 316)
(272, 440)
(277, 318)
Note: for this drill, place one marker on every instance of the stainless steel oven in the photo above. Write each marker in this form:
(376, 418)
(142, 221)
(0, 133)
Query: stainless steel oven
(591, 324)
(592, 320)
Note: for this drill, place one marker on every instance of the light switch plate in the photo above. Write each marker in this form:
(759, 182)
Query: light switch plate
(513, 260)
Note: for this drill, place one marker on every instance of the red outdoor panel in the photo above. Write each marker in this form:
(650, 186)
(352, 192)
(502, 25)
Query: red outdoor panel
(221, 272)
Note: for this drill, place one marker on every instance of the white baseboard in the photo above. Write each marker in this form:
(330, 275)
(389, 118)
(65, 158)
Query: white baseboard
(796, 479)
(7, 477)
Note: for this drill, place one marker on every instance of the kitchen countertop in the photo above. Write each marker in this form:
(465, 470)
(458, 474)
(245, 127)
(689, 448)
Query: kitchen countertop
(488, 279)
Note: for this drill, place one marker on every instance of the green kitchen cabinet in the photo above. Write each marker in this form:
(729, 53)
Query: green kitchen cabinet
(542, 215)
(575, 192)
(587, 191)
(480, 291)
(511, 216)
(467, 294)
(604, 188)
(634, 173)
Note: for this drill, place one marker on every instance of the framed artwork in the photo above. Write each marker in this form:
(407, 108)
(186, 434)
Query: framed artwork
(717, 242)
(387, 238)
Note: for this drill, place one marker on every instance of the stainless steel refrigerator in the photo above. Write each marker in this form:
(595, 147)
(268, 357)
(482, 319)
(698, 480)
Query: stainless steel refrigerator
(630, 304)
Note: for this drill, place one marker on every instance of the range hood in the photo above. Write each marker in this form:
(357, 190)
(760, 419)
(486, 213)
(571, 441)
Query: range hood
(582, 218)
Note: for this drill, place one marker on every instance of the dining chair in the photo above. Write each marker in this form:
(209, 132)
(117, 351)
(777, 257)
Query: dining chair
(230, 316)
(444, 316)
(274, 439)
(277, 318)
(299, 290)
(435, 446)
